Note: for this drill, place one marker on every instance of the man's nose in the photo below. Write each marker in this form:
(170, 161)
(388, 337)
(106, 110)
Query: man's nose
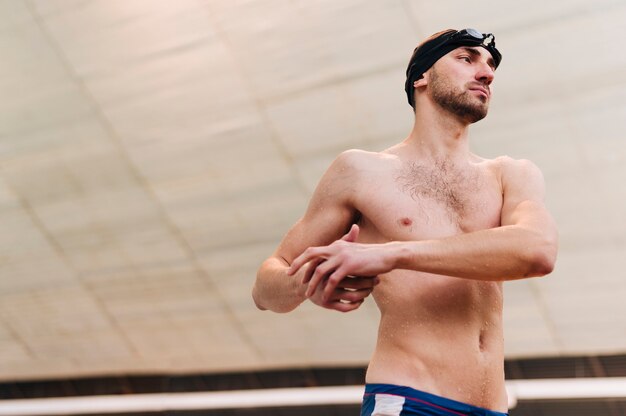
(485, 74)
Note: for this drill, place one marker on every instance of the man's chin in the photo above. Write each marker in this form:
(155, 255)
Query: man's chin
(478, 111)
(470, 108)
(474, 115)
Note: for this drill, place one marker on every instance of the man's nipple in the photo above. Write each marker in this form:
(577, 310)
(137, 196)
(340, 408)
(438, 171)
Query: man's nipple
(405, 221)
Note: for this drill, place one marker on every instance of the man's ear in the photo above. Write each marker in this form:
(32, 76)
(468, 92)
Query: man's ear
(421, 81)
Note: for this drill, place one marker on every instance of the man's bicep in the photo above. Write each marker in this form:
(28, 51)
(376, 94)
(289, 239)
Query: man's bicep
(524, 194)
(328, 216)
(320, 230)
(524, 210)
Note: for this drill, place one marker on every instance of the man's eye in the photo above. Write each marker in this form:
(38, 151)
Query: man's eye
(466, 59)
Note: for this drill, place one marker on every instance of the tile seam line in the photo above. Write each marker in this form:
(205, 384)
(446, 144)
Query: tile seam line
(274, 138)
(18, 338)
(259, 103)
(57, 249)
(113, 136)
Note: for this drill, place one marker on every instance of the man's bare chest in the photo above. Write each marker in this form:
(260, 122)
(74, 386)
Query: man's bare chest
(421, 202)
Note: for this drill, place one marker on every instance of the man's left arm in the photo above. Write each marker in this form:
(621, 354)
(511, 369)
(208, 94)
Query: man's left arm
(525, 245)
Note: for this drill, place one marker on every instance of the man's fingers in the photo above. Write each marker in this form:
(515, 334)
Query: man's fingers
(309, 254)
(312, 253)
(359, 282)
(333, 280)
(344, 307)
(352, 235)
(341, 299)
(348, 296)
(311, 269)
(353, 295)
(321, 271)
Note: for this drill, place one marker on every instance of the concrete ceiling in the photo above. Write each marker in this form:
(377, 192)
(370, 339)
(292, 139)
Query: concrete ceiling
(153, 153)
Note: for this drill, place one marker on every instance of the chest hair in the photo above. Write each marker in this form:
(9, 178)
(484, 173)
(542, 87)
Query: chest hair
(444, 183)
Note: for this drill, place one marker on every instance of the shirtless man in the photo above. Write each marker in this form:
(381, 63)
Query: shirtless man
(435, 229)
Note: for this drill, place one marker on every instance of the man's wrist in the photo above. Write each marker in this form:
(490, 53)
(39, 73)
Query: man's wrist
(399, 253)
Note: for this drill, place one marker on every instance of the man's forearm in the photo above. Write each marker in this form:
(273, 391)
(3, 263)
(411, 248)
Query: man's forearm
(504, 253)
(276, 291)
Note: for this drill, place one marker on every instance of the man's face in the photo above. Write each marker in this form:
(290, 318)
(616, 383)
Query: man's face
(460, 82)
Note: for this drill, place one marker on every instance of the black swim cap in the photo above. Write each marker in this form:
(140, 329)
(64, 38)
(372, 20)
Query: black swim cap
(425, 55)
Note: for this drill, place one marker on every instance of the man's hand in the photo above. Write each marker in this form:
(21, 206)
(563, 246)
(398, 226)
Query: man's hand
(347, 296)
(342, 259)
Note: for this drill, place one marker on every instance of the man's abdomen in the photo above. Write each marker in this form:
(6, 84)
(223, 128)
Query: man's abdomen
(441, 335)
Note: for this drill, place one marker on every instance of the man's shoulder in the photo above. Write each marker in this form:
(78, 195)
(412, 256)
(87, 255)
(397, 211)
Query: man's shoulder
(348, 173)
(511, 166)
(357, 156)
(359, 161)
(518, 173)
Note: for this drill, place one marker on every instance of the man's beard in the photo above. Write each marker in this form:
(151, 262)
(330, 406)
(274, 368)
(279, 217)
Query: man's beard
(459, 103)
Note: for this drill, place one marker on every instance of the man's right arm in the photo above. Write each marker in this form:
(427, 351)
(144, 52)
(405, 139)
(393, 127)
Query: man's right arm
(329, 215)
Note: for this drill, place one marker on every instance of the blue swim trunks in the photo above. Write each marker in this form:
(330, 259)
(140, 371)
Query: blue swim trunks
(392, 400)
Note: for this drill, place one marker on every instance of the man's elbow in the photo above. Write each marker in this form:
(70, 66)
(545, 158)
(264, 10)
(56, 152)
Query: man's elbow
(264, 301)
(255, 298)
(257, 287)
(277, 307)
(542, 265)
(543, 258)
